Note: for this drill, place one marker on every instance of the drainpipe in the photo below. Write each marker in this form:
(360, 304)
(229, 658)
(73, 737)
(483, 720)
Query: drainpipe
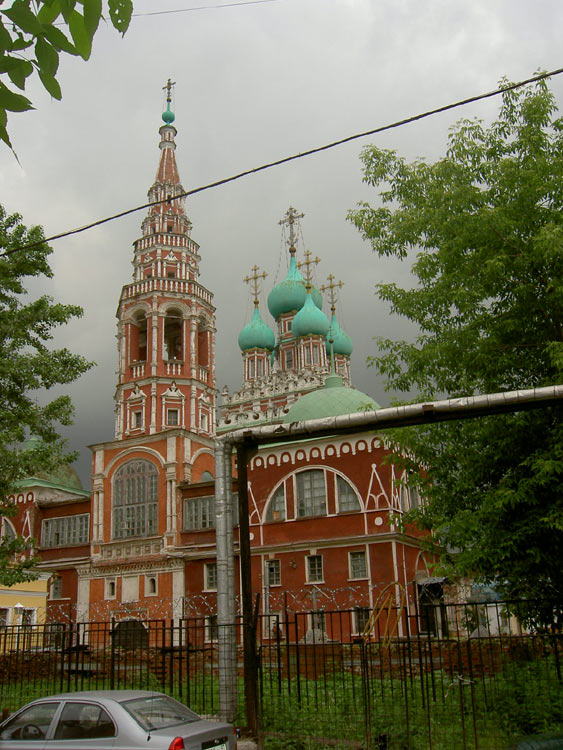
(225, 581)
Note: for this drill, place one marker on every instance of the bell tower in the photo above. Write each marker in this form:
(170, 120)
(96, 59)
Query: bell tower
(166, 319)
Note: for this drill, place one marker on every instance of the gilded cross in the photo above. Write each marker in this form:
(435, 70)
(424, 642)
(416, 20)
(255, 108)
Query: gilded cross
(332, 286)
(289, 220)
(307, 264)
(168, 88)
(254, 280)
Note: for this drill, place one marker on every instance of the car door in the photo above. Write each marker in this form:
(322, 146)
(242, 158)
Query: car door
(28, 729)
(82, 725)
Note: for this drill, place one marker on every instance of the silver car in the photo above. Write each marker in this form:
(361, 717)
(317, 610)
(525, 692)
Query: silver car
(120, 719)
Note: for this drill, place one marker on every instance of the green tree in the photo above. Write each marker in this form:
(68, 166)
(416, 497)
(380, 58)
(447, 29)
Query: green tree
(32, 36)
(26, 367)
(486, 225)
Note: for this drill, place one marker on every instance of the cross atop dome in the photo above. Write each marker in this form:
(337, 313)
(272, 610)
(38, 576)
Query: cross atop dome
(308, 264)
(289, 220)
(168, 116)
(254, 281)
(332, 286)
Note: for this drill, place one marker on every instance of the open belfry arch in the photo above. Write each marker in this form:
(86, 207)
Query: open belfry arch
(165, 403)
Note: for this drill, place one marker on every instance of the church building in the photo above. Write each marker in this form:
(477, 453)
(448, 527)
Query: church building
(322, 510)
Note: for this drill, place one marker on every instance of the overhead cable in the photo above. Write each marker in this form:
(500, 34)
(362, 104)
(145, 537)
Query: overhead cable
(286, 159)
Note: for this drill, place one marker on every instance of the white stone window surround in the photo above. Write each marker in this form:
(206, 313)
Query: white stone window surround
(272, 572)
(110, 588)
(151, 584)
(314, 568)
(357, 565)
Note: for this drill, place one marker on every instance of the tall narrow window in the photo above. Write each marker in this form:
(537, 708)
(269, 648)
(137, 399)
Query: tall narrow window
(135, 500)
(210, 576)
(173, 334)
(273, 572)
(314, 569)
(139, 338)
(311, 494)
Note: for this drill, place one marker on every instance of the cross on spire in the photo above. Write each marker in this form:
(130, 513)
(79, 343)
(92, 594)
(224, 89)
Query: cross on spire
(254, 280)
(289, 220)
(307, 264)
(332, 286)
(168, 88)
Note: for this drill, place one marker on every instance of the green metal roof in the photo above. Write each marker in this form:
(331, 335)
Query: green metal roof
(332, 400)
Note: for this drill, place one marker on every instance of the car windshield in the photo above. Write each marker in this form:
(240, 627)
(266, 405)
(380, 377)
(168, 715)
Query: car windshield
(158, 712)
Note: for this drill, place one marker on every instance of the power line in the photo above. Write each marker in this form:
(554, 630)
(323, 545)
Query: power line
(202, 7)
(286, 159)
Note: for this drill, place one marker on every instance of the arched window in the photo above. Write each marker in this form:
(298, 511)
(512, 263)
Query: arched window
(276, 506)
(173, 334)
(135, 500)
(311, 493)
(139, 338)
(347, 497)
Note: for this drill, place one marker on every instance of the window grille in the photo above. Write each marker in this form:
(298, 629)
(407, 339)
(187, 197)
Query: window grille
(314, 568)
(65, 531)
(311, 494)
(347, 498)
(276, 507)
(135, 500)
(173, 417)
(358, 565)
(199, 513)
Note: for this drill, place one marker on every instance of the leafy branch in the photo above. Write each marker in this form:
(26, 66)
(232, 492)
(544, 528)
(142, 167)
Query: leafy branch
(31, 41)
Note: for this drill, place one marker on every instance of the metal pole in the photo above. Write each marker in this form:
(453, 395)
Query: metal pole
(225, 582)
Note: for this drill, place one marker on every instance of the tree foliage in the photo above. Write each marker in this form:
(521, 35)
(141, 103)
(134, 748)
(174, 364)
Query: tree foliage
(33, 34)
(27, 366)
(486, 225)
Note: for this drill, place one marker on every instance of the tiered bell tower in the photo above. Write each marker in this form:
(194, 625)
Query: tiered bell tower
(166, 319)
(164, 413)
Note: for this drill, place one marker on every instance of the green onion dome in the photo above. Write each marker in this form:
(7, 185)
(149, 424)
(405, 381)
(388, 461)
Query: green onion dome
(256, 335)
(310, 320)
(332, 400)
(342, 343)
(168, 116)
(290, 294)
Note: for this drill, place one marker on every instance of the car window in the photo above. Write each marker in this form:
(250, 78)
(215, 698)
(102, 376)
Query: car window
(79, 721)
(30, 724)
(159, 711)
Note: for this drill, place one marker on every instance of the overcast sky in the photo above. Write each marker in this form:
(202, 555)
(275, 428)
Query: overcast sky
(255, 82)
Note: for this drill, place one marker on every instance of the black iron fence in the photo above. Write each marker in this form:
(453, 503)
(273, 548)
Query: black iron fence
(448, 677)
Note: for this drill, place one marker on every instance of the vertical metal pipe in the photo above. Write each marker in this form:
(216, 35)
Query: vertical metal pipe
(225, 578)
